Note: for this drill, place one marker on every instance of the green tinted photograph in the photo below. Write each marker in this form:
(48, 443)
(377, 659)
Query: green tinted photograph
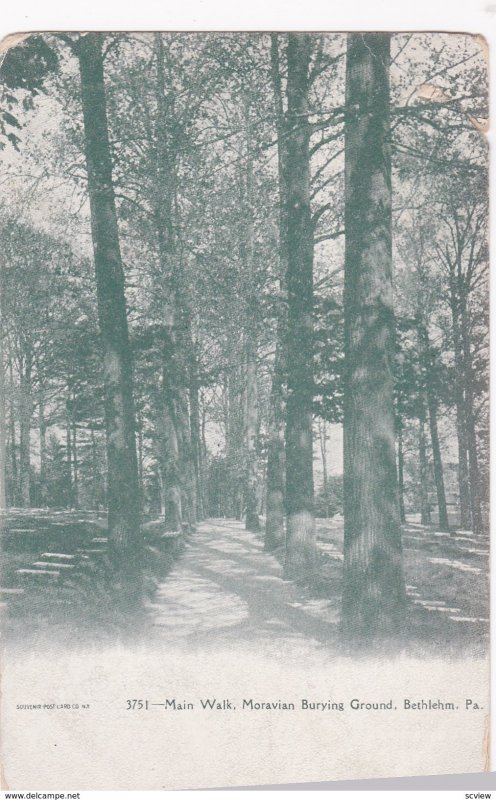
(244, 377)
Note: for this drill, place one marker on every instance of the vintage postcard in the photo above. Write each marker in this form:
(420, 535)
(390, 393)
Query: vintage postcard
(244, 412)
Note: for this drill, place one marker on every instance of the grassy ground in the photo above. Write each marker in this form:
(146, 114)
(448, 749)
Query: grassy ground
(75, 606)
(446, 577)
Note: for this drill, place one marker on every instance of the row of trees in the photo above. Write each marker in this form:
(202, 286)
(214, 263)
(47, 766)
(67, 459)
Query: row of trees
(246, 202)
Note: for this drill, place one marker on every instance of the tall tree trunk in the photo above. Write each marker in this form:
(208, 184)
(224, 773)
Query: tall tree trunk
(125, 539)
(75, 463)
(374, 595)
(68, 450)
(12, 436)
(426, 354)
(94, 469)
(140, 458)
(461, 423)
(187, 461)
(437, 461)
(463, 479)
(425, 512)
(25, 411)
(252, 522)
(42, 434)
(323, 453)
(203, 430)
(234, 440)
(276, 473)
(170, 457)
(168, 436)
(196, 448)
(190, 438)
(163, 494)
(276, 468)
(473, 465)
(165, 191)
(251, 433)
(301, 539)
(473, 462)
(401, 475)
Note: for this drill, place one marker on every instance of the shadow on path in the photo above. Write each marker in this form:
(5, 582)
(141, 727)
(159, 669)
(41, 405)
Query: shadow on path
(225, 588)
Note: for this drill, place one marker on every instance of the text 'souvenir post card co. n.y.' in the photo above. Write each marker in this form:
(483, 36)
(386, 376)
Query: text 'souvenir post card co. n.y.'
(243, 408)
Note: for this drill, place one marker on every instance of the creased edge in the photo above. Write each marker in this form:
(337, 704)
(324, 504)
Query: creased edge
(482, 125)
(486, 743)
(3, 780)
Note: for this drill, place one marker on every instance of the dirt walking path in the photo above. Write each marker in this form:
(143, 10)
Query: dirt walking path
(220, 588)
(225, 587)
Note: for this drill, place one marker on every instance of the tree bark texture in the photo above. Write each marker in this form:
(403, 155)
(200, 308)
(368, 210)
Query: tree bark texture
(252, 522)
(429, 369)
(473, 460)
(461, 421)
(251, 433)
(172, 374)
(301, 540)
(275, 534)
(13, 440)
(125, 541)
(194, 405)
(25, 413)
(425, 510)
(374, 591)
(42, 433)
(401, 478)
